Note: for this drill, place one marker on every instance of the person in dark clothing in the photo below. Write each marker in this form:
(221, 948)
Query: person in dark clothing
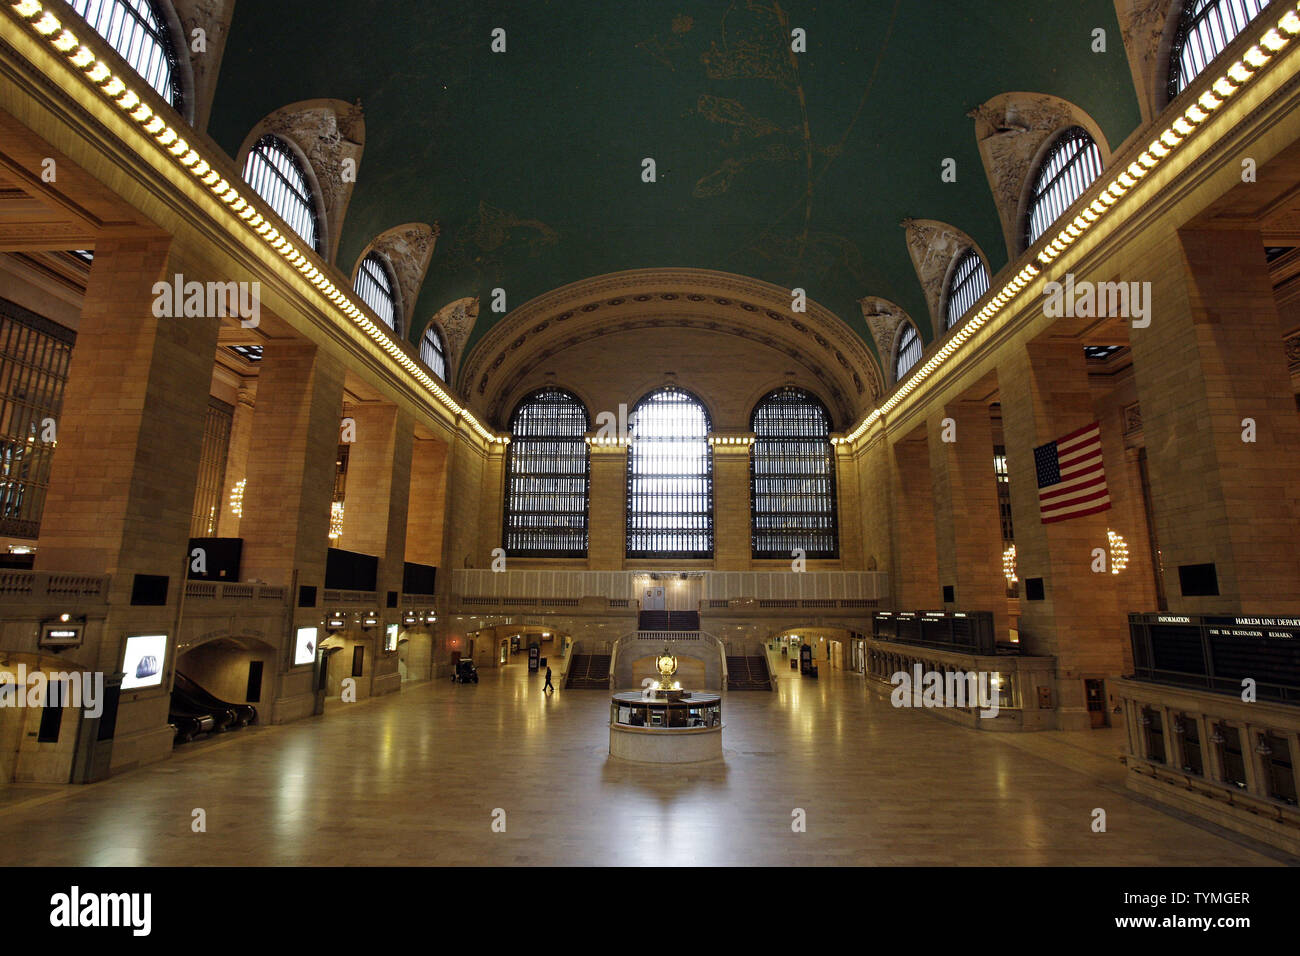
(548, 685)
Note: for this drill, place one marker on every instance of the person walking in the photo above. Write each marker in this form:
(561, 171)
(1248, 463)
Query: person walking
(548, 685)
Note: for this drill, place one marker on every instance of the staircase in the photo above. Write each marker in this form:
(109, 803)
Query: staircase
(747, 673)
(589, 672)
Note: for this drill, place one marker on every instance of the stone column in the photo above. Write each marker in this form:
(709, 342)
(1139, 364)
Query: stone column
(427, 503)
(967, 523)
(291, 464)
(732, 549)
(607, 516)
(848, 507)
(1211, 374)
(241, 439)
(1080, 619)
(915, 581)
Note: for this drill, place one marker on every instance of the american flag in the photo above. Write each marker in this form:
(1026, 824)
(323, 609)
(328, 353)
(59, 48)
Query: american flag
(1071, 480)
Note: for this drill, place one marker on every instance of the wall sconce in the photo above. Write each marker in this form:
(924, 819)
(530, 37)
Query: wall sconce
(335, 622)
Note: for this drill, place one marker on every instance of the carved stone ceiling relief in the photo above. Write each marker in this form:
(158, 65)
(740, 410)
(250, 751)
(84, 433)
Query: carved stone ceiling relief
(457, 320)
(408, 248)
(933, 246)
(326, 137)
(884, 319)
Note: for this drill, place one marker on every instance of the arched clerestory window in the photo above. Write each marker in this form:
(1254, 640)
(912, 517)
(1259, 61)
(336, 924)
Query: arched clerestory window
(376, 286)
(276, 174)
(792, 477)
(138, 31)
(433, 352)
(669, 477)
(1071, 165)
(547, 477)
(969, 281)
(1205, 29)
(908, 352)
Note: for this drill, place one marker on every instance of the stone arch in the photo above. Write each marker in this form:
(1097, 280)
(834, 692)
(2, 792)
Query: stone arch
(325, 133)
(935, 248)
(1015, 131)
(454, 321)
(885, 320)
(408, 248)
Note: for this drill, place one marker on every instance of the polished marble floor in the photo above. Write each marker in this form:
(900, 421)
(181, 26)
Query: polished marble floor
(418, 778)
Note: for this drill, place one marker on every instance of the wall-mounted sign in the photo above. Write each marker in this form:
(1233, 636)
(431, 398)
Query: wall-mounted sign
(142, 663)
(305, 647)
(370, 620)
(336, 622)
(66, 631)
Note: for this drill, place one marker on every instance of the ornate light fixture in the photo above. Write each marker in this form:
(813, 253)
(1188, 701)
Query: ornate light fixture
(237, 498)
(1118, 552)
(1009, 565)
(336, 520)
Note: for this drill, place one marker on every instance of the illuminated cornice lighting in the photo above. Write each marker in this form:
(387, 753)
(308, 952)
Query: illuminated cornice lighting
(243, 209)
(731, 440)
(1163, 146)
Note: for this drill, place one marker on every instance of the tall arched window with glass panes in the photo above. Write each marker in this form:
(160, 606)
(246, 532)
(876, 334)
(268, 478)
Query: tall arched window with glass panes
(433, 352)
(1205, 29)
(1072, 163)
(548, 474)
(669, 477)
(908, 351)
(969, 281)
(276, 174)
(138, 31)
(376, 286)
(792, 477)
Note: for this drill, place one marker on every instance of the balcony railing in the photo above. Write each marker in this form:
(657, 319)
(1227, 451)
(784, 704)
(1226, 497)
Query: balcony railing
(40, 587)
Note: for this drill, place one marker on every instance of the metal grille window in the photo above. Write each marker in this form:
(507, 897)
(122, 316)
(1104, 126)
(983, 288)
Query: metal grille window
(909, 351)
(970, 280)
(1204, 31)
(212, 469)
(1004, 493)
(792, 477)
(433, 353)
(669, 477)
(34, 357)
(276, 175)
(1070, 167)
(374, 284)
(138, 32)
(548, 471)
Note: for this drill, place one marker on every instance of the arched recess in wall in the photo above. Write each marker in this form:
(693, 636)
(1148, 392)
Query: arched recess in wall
(886, 321)
(822, 350)
(455, 321)
(1014, 132)
(407, 249)
(935, 248)
(329, 136)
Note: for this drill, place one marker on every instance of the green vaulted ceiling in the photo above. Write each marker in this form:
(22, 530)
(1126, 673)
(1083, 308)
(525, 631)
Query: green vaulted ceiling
(794, 169)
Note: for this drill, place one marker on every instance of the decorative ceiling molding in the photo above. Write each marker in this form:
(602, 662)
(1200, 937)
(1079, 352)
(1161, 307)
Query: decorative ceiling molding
(668, 295)
(1147, 28)
(409, 247)
(1014, 130)
(934, 246)
(329, 133)
(884, 319)
(201, 66)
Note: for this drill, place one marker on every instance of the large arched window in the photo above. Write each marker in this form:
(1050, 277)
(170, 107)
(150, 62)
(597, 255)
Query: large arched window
(138, 32)
(792, 477)
(1205, 29)
(1069, 168)
(669, 477)
(970, 280)
(547, 475)
(277, 176)
(375, 285)
(908, 352)
(433, 353)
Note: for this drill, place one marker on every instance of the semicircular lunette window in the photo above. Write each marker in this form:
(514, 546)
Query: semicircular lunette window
(792, 477)
(277, 176)
(909, 352)
(1205, 29)
(1070, 167)
(433, 353)
(970, 280)
(669, 477)
(138, 32)
(374, 283)
(548, 472)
